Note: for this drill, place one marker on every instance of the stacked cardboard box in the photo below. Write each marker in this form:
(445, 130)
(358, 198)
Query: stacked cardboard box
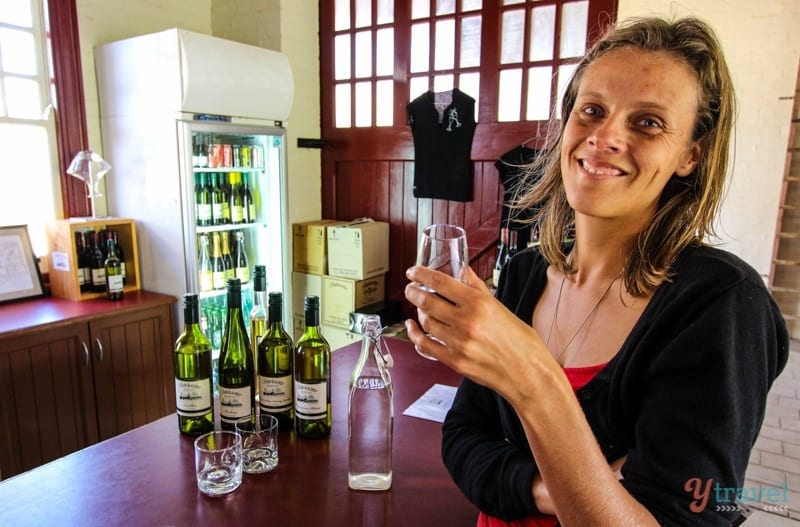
(345, 265)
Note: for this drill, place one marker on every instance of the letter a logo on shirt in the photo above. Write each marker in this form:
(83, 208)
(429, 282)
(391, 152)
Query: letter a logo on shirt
(452, 117)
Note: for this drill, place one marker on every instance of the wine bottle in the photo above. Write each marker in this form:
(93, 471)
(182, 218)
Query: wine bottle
(226, 192)
(248, 205)
(98, 265)
(502, 253)
(236, 370)
(370, 413)
(113, 272)
(217, 265)
(82, 262)
(258, 315)
(227, 259)
(193, 390)
(312, 367)
(275, 356)
(202, 160)
(120, 255)
(240, 265)
(512, 245)
(217, 201)
(202, 199)
(205, 269)
(235, 199)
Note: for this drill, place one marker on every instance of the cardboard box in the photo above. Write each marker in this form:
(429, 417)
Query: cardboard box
(339, 337)
(309, 246)
(341, 296)
(358, 250)
(303, 285)
(298, 327)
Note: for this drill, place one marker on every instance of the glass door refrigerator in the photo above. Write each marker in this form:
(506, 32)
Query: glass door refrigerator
(185, 116)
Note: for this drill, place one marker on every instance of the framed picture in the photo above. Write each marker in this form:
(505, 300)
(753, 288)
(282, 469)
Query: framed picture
(19, 270)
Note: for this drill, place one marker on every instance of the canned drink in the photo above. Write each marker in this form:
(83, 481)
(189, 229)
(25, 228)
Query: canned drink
(257, 158)
(214, 155)
(237, 156)
(227, 156)
(246, 156)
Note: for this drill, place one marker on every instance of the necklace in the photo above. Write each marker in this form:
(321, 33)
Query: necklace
(585, 320)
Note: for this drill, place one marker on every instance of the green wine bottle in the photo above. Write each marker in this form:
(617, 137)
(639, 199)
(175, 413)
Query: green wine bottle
(236, 371)
(113, 272)
(312, 368)
(193, 373)
(275, 356)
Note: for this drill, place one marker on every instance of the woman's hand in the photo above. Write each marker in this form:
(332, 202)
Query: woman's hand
(480, 338)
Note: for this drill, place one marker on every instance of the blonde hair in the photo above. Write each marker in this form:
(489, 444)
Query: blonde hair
(688, 205)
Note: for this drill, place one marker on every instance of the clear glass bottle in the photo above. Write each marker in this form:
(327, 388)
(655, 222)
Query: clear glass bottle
(370, 413)
(312, 377)
(193, 388)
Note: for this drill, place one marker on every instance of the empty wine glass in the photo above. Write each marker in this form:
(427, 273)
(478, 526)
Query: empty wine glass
(442, 247)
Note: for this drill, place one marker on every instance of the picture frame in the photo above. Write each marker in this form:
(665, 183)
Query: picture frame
(20, 277)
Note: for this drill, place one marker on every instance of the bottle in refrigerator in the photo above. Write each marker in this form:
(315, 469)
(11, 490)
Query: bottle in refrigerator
(113, 272)
(236, 369)
(258, 315)
(202, 199)
(217, 201)
(248, 204)
(370, 413)
(193, 388)
(202, 158)
(235, 198)
(205, 271)
(275, 356)
(217, 265)
(227, 259)
(312, 367)
(240, 265)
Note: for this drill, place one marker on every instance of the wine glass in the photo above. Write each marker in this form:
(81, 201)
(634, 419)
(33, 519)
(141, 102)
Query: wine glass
(442, 247)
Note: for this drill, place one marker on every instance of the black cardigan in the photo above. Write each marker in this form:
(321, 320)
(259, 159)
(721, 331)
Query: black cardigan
(684, 397)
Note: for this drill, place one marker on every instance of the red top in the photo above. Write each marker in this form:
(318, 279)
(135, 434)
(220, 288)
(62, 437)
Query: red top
(577, 377)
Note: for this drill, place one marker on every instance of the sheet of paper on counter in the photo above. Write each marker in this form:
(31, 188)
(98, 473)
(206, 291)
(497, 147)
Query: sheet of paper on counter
(434, 404)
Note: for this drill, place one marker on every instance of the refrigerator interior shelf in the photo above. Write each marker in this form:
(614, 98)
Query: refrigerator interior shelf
(249, 170)
(230, 227)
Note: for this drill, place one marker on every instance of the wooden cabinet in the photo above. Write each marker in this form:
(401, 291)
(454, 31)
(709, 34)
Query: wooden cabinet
(90, 371)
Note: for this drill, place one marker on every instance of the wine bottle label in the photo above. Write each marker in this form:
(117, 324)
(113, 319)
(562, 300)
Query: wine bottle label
(251, 213)
(243, 274)
(193, 398)
(495, 276)
(204, 212)
(122, 268)
(218, 278)
(82, 276)
(234, 403)
(217, 211)
(276, 393)
(237, 214)
(99, 277)
(310, 400)
(206, 281)
(115, 283)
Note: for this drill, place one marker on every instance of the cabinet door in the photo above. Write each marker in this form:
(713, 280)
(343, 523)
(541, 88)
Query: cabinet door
(47, 405)
(132, 356)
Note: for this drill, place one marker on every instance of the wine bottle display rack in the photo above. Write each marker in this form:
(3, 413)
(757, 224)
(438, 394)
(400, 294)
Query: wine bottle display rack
(63, 264)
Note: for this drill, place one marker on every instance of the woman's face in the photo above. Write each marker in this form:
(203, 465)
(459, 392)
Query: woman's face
(629, 132)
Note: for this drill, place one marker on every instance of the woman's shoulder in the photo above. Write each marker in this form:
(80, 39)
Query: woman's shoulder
(707, 266)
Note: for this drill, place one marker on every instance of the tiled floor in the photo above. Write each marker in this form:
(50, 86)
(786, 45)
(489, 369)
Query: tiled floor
(775, 460)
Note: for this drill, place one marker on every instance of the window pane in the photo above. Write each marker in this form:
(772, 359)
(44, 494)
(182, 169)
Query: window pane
(420, 47)
(363, 104)
(420, 9)
(341, 46)
(342, 15)
(15, 138)
(471, 5)
(470, 42)
(417, 86)
(539, 88)
(16, 12)
(363, 13)
(22, 98)
(385, 51)
(384, 114)
(470, 83)
(443, 83)
(543, 27)
(512, 36)
(445, 7)
(508, 104)
(574, 19)
(512, 2)
(445, 41)
(385, 11)
(564, 75)
(343, 106)
(18, 51)
(363, 54)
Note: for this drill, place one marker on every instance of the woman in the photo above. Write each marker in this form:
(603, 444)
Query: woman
(620, 379)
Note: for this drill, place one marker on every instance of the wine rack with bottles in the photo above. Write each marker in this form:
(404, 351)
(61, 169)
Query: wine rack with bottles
(65, 257)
